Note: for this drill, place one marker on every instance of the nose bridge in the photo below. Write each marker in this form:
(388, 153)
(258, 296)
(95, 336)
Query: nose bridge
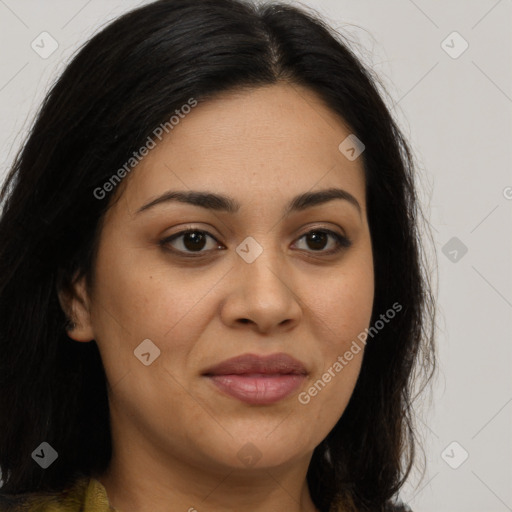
(265, 294)
(261, 258)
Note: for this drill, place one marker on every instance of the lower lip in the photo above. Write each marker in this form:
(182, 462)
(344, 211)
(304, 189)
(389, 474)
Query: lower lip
(258, 389)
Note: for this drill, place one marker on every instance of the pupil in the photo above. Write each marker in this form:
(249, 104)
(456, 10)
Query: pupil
(317, 236)
(194, 238)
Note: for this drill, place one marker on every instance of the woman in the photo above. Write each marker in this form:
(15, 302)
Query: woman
(211, 295)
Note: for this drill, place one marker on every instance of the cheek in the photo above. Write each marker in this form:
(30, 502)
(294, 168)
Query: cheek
(142, 294)
(341, 311)
(133, 301)
(140, 297)
(343, 306)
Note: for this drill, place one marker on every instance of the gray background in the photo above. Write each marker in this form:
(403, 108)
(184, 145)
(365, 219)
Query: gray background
(456, 112)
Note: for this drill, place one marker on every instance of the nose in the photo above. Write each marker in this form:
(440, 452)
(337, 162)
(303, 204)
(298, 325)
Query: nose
(263, 293)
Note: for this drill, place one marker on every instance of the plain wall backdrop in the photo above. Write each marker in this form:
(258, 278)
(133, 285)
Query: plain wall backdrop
(447, 68)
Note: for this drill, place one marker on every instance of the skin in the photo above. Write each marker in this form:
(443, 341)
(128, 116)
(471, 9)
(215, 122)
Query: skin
(175, 436)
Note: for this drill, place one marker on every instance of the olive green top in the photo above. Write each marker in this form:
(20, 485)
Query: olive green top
(85, 495)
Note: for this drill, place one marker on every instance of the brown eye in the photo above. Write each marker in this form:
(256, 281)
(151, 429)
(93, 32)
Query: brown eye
(190, 241)
(318, 239)
(194, 242)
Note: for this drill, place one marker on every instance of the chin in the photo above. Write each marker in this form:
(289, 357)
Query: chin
(269, 449)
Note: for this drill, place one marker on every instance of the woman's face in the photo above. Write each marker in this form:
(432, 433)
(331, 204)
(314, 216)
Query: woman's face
(248, 281)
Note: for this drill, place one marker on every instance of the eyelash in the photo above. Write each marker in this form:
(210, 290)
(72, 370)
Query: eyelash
(341, 241)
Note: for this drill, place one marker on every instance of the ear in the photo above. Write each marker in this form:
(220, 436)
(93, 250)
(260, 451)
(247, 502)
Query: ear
(75, 303)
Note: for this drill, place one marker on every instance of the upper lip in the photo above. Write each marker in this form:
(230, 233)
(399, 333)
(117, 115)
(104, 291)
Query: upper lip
(280, 363)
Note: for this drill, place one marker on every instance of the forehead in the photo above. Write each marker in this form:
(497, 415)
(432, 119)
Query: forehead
(266, 143)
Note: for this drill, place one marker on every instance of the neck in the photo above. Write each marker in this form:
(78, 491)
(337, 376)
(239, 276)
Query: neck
(158, 486)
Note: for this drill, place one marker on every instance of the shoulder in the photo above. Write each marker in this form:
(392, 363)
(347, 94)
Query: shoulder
(68, 500)
(352, 507)
(398, 507)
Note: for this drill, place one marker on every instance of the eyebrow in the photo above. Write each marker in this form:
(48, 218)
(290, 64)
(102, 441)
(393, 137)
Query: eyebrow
(221, 202)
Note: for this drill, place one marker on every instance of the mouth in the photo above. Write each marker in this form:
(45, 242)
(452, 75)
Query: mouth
(256, 379)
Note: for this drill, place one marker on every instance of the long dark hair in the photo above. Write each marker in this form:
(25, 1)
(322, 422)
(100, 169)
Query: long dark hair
(127, 80)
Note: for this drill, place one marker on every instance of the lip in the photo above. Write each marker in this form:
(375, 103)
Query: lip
(257, 379)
